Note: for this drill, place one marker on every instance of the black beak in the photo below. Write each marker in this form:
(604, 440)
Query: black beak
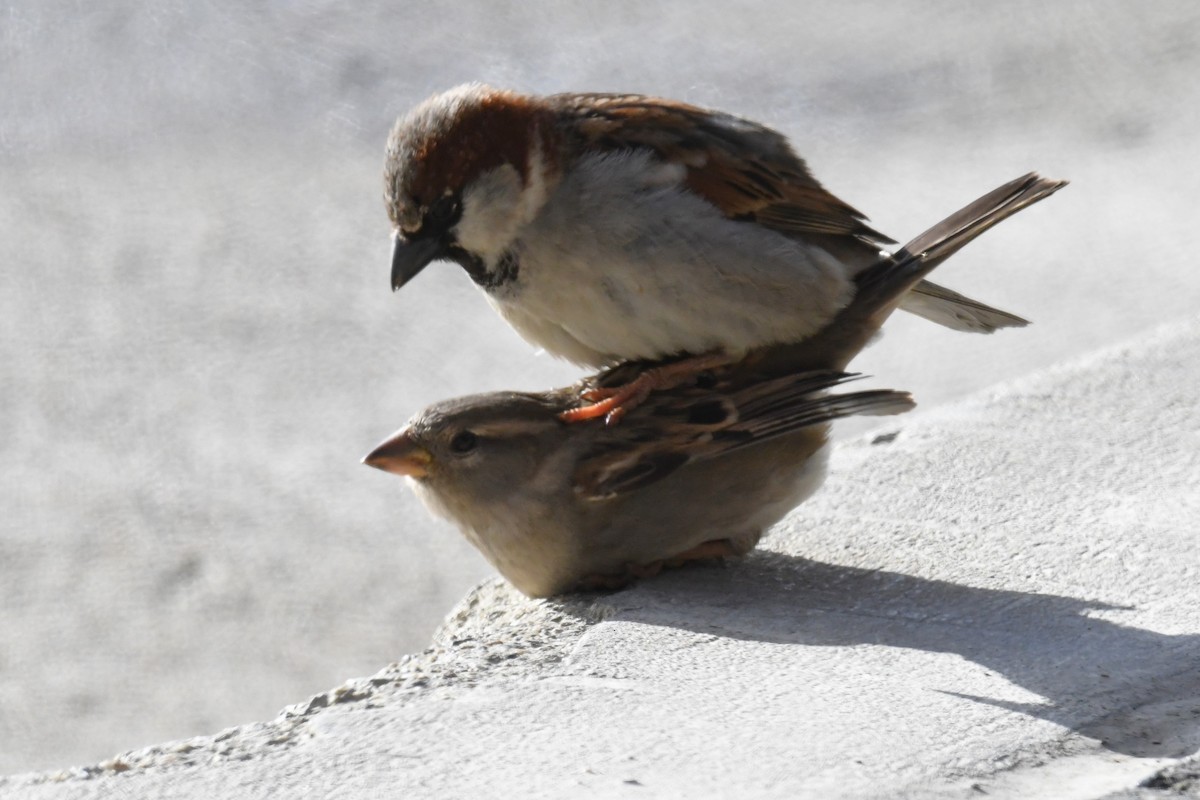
(411, 256)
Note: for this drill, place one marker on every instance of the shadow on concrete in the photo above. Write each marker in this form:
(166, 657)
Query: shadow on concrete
(1135, 690)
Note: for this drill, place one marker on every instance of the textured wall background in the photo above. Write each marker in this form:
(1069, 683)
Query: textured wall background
(197, 341)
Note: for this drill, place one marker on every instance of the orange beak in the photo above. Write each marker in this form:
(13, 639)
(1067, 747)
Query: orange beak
(399, 454)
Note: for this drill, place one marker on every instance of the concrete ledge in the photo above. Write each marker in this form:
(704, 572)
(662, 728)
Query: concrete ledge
(999, 597)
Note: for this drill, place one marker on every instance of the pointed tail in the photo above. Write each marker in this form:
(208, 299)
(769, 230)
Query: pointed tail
(882, 287)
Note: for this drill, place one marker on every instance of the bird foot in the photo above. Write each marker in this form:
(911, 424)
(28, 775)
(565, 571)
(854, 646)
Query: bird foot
(614, 402)
(705, 551)
(712, 550)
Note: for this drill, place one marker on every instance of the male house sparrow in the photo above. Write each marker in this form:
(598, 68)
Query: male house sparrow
(607, 228)
(699, 470)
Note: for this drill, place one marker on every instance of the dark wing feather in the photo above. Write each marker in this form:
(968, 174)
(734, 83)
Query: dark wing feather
(678, 427)
(746, 170)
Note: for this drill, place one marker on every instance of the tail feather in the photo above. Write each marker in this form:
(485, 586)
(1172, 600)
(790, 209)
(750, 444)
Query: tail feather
(957, 311)
(882, 287)
(948, 236)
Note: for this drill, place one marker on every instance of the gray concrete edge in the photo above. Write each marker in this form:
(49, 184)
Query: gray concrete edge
(495, 634)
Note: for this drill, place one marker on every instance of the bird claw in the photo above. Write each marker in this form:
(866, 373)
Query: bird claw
(599, 393)
(612, 404)
(615, 402)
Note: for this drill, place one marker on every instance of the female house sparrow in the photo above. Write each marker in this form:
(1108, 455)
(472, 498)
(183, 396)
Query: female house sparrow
(697, 471)
(606, 228)
(694, 472)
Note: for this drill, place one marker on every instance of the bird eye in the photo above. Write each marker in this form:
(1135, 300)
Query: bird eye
(444, 210)
(464, 442)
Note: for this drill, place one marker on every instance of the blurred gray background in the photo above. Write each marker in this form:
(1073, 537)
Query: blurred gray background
(199, 341)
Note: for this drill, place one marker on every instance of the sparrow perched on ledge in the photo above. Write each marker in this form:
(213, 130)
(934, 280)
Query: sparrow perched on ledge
(697, 471)
(607, 228)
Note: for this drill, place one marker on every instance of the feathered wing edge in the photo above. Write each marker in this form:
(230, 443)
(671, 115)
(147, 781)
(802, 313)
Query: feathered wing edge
(711, 422)
(786, 405)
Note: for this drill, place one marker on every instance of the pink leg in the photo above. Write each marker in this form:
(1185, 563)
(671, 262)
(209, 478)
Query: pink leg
(614, 403)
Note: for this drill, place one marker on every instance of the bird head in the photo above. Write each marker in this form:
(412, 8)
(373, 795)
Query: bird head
(471, 454)
(464, 171)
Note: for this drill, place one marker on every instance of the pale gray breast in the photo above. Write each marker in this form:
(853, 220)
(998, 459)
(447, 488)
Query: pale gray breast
(631, 263)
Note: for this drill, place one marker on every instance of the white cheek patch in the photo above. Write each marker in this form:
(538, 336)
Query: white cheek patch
(491, 213)
(497, 205)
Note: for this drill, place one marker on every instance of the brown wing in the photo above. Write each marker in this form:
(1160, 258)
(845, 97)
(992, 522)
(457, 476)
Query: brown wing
(747, 170)
(678, 427)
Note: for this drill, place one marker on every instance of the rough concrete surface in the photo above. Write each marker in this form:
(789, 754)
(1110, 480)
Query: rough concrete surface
(996, 598)
(197, 340)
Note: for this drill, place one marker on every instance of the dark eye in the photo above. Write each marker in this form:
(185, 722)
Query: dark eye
(444, 210)
(463, 442)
